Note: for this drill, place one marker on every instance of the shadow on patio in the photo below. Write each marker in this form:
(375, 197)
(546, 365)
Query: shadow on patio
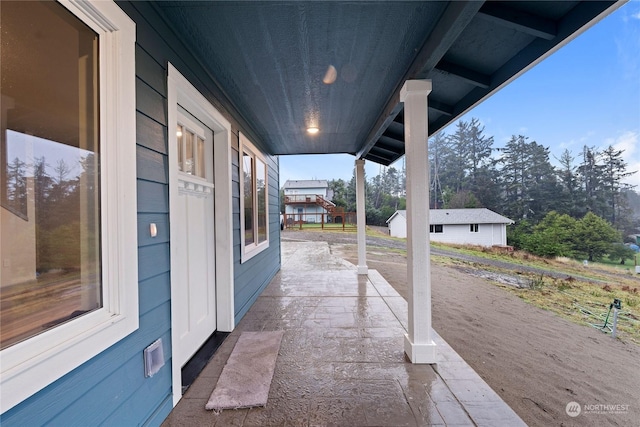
(342, 361)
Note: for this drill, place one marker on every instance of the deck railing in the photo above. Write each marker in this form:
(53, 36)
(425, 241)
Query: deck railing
(335, 221)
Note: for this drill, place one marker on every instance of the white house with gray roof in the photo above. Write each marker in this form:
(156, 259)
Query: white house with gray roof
(478, 226)
(307, 200)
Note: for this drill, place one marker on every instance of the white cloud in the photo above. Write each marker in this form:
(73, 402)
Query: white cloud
(627, 141)
(576, 144)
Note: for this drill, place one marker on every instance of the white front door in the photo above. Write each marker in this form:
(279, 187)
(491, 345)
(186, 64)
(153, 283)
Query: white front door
(193, 245)
(202, 288)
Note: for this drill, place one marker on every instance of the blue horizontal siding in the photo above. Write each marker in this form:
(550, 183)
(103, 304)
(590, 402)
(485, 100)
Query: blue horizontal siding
(161, 220)
(153, 197)
(151, 165)
(150, 102)
(111, 389)
(153, 260)
(161, 412)
(154, 292)
(150, 71)
(150, 133)
(64, 402)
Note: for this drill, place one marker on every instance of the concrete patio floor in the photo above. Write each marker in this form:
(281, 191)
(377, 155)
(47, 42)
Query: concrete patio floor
(341, 361)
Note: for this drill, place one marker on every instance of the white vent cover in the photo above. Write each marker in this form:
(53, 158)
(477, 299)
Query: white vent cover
(153, 358)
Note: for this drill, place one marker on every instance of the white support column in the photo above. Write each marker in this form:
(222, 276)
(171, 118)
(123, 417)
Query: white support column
(361, 219)
(419, 345)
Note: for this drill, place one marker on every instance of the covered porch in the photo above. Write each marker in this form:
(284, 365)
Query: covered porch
(341, 359)
(374, 80)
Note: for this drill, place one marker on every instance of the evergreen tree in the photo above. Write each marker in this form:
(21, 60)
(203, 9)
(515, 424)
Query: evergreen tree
(594, 237)
(339, 188)
(438, 152)
(528, 179)
(477, 151)
(590, 172)
(514, 164)
(456, 163)
(614, 170)
(463, 199)
(488, 192)
(570, 193)
(391, 182)
(543, 188)
(16, 187)
(553, 236)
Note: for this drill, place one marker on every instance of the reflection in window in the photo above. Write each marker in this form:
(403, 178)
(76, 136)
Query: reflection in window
(261, 190)
(254, 203)
(247, 169)
(200, 154)
(50, 216)
(191, 152)
(180, 139)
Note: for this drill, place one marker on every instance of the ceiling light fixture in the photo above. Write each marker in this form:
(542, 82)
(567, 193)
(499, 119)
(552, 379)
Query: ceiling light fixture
(313, 130)
(330, 76)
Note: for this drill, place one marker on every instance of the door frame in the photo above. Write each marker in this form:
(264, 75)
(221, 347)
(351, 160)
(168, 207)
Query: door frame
(180, 91)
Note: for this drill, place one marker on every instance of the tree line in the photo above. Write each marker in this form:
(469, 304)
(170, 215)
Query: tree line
(59, 197)
(517, 180)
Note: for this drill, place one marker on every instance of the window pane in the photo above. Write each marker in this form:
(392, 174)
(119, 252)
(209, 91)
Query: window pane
(180, 139)
(261, 188)
(200, 170)
(50, 245)
(247, 170)
(188, 156)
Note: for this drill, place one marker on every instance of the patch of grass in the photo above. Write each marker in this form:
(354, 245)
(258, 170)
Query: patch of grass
(535, 282)
(571, 297)
(585, 303)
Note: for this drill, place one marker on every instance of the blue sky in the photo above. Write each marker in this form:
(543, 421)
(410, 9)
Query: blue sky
(586, 93)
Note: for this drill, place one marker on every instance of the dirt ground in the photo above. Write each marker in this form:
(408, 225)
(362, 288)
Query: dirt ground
(535, 360)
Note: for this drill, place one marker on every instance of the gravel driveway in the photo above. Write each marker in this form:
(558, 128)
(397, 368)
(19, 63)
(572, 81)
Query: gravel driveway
(350, 238)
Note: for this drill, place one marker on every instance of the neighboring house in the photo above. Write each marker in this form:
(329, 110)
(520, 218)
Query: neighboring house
(308, 200)
(140, 173)
(463, 226)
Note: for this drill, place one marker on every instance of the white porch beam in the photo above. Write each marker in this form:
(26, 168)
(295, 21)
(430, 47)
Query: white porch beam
(361, 218)
(419, 345)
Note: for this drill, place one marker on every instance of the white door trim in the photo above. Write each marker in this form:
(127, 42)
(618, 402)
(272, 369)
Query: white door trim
(180, 91)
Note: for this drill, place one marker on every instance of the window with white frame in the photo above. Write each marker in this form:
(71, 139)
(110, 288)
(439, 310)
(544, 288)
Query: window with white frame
(254, 200)
(68, 245)
(473, 228)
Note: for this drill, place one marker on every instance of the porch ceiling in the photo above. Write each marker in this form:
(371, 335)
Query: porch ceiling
(270, 58)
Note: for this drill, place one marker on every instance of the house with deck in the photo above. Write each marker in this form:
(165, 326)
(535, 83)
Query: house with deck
(478, 226)
(308, 201)
(139, 168)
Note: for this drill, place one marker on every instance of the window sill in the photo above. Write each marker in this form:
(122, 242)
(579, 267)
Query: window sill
(250, 253)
